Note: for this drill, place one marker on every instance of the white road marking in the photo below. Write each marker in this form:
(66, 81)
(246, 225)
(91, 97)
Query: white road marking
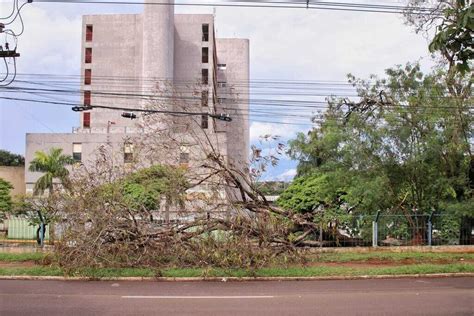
(195, 297)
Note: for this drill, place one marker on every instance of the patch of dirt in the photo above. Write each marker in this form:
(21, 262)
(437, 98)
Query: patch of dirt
(22, 264)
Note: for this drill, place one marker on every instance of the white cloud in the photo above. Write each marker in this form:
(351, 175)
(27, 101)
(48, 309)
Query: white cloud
(51, 42)
(313, 44)
(287, 175)
(284, 131)
(284, 44)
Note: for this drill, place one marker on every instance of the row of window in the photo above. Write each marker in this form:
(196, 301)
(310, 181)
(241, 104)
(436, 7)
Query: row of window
(127, 153)
(205, 76)
(86, 116)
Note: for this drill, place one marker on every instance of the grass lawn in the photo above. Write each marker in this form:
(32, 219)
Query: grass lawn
(324, 264)
(382, 256)
(390, 256)
(21, 257)
(293, 271)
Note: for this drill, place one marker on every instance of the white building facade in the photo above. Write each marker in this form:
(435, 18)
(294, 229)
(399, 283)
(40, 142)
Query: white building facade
(127, 57)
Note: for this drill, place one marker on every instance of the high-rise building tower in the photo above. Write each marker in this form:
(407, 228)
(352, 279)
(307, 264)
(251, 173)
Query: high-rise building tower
(129, 58)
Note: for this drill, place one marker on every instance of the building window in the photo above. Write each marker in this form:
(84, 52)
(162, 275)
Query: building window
(222, 84)
(77, 151)
(204, 121)
(89, 30)
(87, 98)
(128, 153)
(205, 55)
(87, 76)
(86, 120)
(205, 32)
(205, 76)
(204, 98)
(221, 66)
(184, 155)
(88, 55)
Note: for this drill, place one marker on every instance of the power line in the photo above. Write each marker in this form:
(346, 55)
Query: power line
(177, 97)
(311, 5)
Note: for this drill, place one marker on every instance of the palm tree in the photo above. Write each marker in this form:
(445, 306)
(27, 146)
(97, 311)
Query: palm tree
(53, 165)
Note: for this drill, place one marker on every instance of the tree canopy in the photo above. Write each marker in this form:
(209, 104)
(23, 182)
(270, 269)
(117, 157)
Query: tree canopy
(453, 25)
(10, 159)
(5, 198)
(53, 166)
(145, 188)
(404, 148)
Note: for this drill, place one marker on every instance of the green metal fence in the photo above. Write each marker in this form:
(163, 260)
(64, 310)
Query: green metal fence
(19, 228)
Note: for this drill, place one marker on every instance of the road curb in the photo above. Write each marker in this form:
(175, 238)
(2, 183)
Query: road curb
(237, 279)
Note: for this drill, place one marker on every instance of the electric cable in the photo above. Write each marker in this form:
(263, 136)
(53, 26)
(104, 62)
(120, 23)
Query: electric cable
(334, 6)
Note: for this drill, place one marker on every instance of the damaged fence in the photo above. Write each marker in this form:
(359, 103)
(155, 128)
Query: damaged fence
(397, 230)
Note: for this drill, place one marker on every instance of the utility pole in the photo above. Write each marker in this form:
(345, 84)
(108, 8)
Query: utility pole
(7, 52)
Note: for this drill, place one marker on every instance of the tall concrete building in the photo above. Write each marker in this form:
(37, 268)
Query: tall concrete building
(127, 58)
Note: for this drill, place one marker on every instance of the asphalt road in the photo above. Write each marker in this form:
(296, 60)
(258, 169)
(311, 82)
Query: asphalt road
(445, 296)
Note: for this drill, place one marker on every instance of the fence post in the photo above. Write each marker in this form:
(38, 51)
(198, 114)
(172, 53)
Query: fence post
(321, 235)
(375, 230)
(430, 230)
(42, 229)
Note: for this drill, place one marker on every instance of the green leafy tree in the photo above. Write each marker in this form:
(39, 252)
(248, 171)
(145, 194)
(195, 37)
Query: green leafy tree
(454, 37)
(453, 23)
(5, 198)
(272, 187)
(9, 159)
(402, 149)
(53, 166)
(145, 189)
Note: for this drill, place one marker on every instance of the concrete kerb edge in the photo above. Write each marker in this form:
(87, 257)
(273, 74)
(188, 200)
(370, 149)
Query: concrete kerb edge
(238, 279)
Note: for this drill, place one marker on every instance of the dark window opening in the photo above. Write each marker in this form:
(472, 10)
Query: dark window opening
(88, 55)
(205, 98)
(127, 157)
(77, 152)
(205, 76)
(128, 153)
(204, 121)
(87, 98)
(87, 76)
(205, 32)
(205, 55)
(221, 66)
(89, 31)
(86, 120)
(184, 158)
(77, 157)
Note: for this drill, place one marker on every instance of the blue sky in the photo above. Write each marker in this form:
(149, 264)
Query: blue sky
(285, 45)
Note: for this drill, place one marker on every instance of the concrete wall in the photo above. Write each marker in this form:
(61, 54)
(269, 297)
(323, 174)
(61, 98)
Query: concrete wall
(188, 48)
(113, 144)
(16, 176)
(116, 65)
(234, 97)
(158, 40)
